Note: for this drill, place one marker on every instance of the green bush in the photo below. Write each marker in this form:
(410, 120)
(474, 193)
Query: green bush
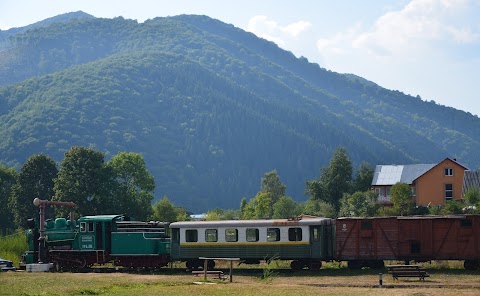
(13, 246)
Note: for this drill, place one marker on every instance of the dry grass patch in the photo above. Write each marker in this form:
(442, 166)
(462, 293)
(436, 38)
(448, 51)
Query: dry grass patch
(246, 282)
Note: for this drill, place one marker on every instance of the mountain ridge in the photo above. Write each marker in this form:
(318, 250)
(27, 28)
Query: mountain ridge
(209, 106)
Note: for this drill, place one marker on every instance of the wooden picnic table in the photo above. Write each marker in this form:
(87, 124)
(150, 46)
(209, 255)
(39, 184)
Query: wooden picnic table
(205, 269)
(398, 271)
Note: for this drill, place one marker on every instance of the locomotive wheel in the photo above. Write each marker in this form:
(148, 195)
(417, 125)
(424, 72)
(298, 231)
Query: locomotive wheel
(82, 263)
(296, 265)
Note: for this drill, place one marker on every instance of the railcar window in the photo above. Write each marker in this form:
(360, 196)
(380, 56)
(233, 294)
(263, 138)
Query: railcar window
(466, 223)
(316, 234)
(90, 227)
(211, 235)
(252, 235)
(231, 235)
(415, 247)
(273, 234)
(366, 225)
(191, 235)
(82, 227)
(295, 234)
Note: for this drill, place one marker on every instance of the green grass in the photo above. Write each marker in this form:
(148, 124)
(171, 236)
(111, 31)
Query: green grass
(13, 246)
(334, 281)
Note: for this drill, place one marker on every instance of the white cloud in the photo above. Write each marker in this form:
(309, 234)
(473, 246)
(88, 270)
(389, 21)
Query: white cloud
(271, 30)
(428, 47)
(297, 28)
(413, 29)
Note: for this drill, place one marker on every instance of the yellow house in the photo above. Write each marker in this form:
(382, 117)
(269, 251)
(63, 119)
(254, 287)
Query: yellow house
(432, 184)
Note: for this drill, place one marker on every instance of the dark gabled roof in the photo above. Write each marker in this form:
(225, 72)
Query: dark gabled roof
(471, 179)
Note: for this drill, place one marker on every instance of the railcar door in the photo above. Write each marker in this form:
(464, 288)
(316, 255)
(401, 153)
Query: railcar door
(316, 247)
(175, 243)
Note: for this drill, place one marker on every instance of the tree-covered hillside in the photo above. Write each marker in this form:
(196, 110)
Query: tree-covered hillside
(210, 107)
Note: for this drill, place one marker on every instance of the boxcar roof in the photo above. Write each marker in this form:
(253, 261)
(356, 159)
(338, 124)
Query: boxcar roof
(252, 223)
(459, 216)
(99, 218)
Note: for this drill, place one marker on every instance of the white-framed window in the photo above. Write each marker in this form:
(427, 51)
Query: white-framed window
(414, 191)
(191, 235)
(295, 234)
(231, 235)
(448, 172)
(377, 191)
(211, 235)
(252, 234)
(448, 191)
(388, 192)
(273, 234)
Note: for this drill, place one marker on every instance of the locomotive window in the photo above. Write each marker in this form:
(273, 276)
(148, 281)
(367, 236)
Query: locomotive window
(211, 235)
(231, 235)
(82, 227)
(295, 234)
(273, 234)
(191, 235)
(90, 227)
(252, 235)
(366, 224)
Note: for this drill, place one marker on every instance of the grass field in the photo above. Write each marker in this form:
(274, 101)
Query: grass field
(12, 247)
(327, 281)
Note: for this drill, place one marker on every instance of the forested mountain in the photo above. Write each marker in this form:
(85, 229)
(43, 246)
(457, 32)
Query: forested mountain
(209, 106)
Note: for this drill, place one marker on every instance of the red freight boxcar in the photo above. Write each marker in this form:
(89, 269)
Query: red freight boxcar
(369, 241)
(366, 241)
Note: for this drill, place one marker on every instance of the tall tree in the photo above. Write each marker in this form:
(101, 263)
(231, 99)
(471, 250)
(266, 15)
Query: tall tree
(363, 178)
(133, 185)
(284, 208)
(83, 179)
(272, 184)
(164, 210)
(35, 179)
(472, 196)
(359, 204)
(8, 179)
(401, 194)
(334, 181)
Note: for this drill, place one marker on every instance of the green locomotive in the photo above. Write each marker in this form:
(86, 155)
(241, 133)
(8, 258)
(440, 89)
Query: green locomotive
(94, 240)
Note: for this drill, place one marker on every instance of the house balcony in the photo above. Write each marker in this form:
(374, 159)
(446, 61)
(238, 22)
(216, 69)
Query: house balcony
(384, 199)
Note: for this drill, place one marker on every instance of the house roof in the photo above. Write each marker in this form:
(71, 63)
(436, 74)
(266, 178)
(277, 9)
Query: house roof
(471, 179)
(391, 174)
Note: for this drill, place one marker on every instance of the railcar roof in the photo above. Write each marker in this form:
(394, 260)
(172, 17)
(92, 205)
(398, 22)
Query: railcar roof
(252, 223)
(99, 218)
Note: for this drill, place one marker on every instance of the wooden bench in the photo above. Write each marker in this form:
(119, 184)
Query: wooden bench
(211, 273)
(398, 271)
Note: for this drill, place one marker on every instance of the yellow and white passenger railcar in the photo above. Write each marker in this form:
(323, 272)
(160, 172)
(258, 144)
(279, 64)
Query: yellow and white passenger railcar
(305, 241)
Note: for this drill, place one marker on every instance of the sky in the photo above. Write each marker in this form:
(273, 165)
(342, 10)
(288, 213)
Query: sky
(429, 48)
